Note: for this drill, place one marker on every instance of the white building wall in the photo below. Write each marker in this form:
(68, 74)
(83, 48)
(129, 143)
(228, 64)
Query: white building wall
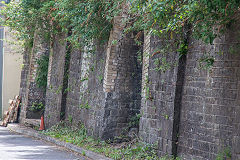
(12, 64)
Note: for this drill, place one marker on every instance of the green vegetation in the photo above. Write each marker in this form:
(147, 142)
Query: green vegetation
(225, 154)
(42, 72)
(100, 78)
(206, 62)
(93, 19)
(134, 121)
(84, 105)
(86, 19)
(132, 150)
(89, 20)
(128, 150)
(36, 107)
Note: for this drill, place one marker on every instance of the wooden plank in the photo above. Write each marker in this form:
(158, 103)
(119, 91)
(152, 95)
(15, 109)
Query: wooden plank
(12, 114)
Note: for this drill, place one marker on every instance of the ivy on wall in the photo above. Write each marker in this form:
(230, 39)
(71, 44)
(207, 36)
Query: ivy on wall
(42, 72)
(207, 18)
(93, 19)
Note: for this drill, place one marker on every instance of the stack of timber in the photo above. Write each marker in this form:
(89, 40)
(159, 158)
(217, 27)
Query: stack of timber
(11, 116)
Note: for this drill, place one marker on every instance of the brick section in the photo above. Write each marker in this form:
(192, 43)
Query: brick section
(111, 66)
(33, 94)
(161, 91)
(145, 66)
(85, 69)
(111, 62)
(210, 111)
(53, 105)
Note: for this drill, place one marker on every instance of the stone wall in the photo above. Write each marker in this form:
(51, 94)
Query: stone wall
(85, 99)
(54, 91)
(32, 93)
(159, 95)
(105, 86)
(24, 82)
(189, 110)
(209, 122)
(122, 81)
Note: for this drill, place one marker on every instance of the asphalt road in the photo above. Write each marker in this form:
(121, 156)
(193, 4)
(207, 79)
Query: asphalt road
(18, 147)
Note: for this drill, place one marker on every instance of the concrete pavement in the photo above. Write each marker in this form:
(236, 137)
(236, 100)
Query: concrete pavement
(19, 147)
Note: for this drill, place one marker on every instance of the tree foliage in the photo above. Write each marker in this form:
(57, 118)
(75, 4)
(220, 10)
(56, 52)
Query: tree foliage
(92, 19)
(87, 20)
(207, 18)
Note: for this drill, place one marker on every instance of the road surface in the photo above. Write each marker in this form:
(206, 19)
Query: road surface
(18, 147)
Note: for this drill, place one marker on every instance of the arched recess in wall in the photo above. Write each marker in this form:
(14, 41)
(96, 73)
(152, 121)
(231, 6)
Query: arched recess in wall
(122, 80)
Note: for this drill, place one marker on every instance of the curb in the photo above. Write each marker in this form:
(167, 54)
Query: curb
(33, 133)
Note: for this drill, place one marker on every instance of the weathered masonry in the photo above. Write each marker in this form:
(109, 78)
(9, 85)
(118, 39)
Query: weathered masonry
(105, 85)
(191, 112)
(30, 93)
